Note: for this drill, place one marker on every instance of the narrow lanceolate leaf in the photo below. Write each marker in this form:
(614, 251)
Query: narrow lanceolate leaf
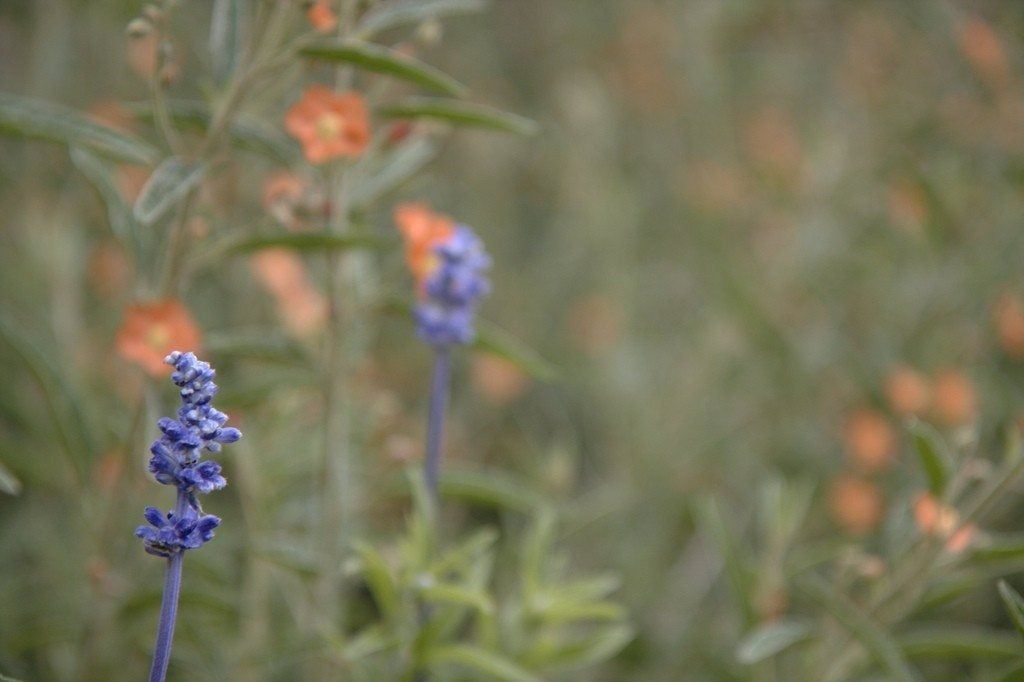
(1014, 604)
(227, 29)
(100, 173)
(878, 643)
(587, 651)
(168, 184)
(493, 339)
(31, 118)
(65, 405)
(384, 60)
(482, 662)
(378, 578)
(309, 241)
(931, 453)
(388, 15)
(458, 113)
(772, 638)
(391, 172)
(446, 593)
(960, 643)
(245, 133)
(490, 489)
(9, 483)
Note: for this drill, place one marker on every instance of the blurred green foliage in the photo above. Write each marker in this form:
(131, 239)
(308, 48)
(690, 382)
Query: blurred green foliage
(737, 221)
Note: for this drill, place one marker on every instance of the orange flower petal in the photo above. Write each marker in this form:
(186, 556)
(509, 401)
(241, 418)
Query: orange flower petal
(149, 331)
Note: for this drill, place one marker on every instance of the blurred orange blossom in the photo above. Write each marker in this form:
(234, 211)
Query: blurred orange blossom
(869, 439)
(422, 229)
(907, 391)
(329, 125)
(322, 17)
(955, 401)
(151, 330)
(1008, 317)
(855, 503)
(940, 520)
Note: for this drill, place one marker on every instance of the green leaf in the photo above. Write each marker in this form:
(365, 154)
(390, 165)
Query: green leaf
(63, 402)
(260, 344)
(465, 553)
(100, 173)
(490, 489)
(493, 339)
(713, 526)
(1014, 605)
(388, 15)
(246, 134)
(553, 608)
(378, 578)
(960, 643)
(597, 587)
(168, 184)
(928, 444)
(395, 169)
(384, 60)
(877, 642)
(366, 642)
(31, 118)
(772, 638)
(448, 593)
(493, 666)
(227, 27)
(584, 652)
(9, 483)
(301, 241)
(459, 114)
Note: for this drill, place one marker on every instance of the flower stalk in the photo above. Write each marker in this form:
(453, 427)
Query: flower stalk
(440, 388)
(176, 460)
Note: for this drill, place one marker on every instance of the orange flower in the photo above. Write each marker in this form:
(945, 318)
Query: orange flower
(151, 330)
(907, 391)
(322, 17)
(870, 441)
(955, 400)
(498, 380)
(856, 504)
(300, 305)
(982, 47)
(422, 229)
(939, 520)
(1008, 317)
(329, 125)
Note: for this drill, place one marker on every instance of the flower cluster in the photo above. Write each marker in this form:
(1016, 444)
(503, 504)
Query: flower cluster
(176, 460)
(168, 534)
(451, 288)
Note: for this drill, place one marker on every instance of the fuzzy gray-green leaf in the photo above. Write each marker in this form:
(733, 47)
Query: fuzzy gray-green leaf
(384, 60)
(168, 184)
(32, 118)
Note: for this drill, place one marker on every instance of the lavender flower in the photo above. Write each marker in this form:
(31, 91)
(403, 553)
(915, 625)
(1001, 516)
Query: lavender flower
(175, 460)
(452, 290)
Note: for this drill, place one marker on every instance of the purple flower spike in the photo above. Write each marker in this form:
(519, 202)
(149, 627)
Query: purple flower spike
(453, 290)
(175, 460)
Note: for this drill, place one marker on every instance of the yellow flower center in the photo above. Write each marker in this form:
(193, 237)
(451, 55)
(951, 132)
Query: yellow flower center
(158, 336)
(328, 126)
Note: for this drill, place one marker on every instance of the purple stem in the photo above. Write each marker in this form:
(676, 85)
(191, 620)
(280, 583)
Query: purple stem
(439, 389)
(169, 606)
